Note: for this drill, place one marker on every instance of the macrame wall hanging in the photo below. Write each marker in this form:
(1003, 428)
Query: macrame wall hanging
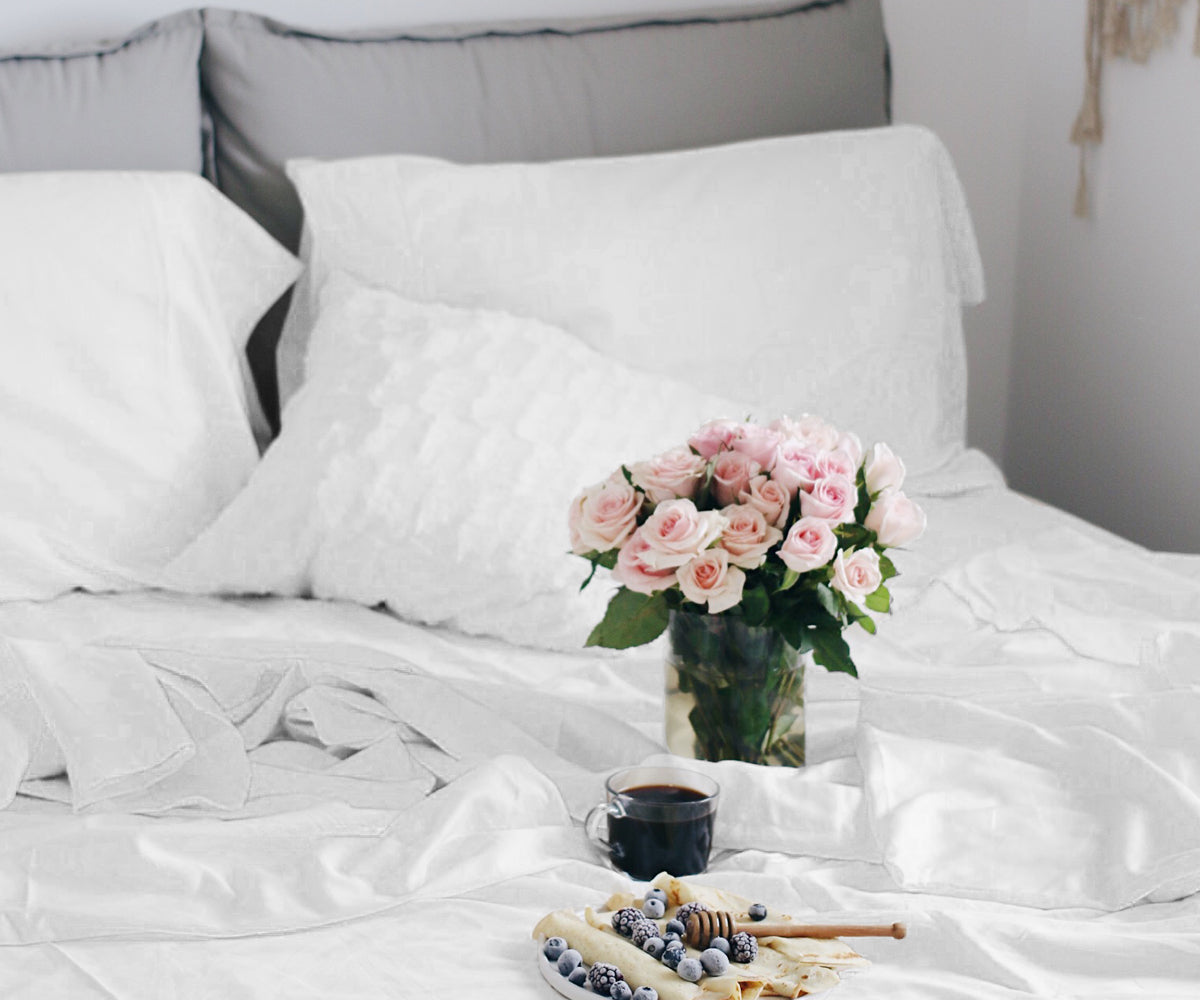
(1130, 29)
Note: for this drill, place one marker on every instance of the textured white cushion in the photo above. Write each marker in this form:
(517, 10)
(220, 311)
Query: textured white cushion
(819, 273)
(429, 463)
(125, 303)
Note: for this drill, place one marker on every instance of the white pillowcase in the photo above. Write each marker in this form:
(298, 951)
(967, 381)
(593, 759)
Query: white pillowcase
(125, 304)
(819, 273)
(429, 462)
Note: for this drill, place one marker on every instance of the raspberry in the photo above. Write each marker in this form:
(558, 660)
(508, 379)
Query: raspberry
(687, 910)
(743, 947)
(625, 919)
(602, 975)
(643, 932)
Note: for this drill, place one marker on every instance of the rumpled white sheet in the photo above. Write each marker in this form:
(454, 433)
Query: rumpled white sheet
(1002, 794)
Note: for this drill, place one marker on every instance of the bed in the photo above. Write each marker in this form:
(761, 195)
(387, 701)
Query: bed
(293, 693)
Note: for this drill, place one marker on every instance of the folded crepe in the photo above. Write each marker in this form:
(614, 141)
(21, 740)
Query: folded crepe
(787, 967)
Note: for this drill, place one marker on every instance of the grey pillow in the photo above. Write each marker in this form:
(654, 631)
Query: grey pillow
(131, 104)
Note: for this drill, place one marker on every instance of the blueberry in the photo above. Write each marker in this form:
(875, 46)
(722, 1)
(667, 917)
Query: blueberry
(720, 944)
(569, 961)
(620, 991)
(757, 911)
(715, 961)
(673, 954)
(660, 896)
(645, 993)
(578, 976)
(690, 969)
(554, 947)
(676, 927)
(670, 936)
(654, 947)
(654, 908)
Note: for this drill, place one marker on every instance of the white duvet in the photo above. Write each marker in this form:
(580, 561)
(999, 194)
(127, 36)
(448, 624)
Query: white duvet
(324, 801)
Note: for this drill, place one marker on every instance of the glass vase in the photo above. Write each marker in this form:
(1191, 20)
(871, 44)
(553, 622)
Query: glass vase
(733, 691)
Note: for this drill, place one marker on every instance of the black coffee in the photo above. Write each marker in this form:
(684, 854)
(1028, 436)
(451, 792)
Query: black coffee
(666, 828)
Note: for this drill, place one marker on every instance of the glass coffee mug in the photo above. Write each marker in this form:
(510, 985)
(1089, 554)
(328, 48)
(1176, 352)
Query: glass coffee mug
(659, 819)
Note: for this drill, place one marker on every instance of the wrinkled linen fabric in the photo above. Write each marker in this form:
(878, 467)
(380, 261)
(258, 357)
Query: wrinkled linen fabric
(1024, 809)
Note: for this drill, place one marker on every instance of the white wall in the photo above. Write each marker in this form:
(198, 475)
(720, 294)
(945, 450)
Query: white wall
(1104, 406)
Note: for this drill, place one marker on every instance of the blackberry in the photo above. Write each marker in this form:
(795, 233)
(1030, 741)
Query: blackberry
(757, 911)
(720, 944)
(578, 976)
(673, 954)
(568, 962)
(553, 948)
(602, 975)
(645, 993)
(690, 969)
(643, 932)
(654, 947)
(620, 990)
(715, 961)
(687, 910)
(743, 947)
(654, 908)
(625, 919)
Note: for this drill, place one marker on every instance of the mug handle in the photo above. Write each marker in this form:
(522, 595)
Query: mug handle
(591, 822)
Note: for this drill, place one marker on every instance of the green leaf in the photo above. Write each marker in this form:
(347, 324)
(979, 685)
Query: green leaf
(828, 600)
(831, 651)
(879, 600)
(887, 568)
(632, 619)
(789, 580)
(756, 605)
(591, 573)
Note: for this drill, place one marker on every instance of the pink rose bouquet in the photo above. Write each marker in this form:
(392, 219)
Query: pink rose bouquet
(784, 526)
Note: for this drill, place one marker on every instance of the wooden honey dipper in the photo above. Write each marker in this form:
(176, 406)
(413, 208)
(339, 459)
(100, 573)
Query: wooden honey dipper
(705, 925)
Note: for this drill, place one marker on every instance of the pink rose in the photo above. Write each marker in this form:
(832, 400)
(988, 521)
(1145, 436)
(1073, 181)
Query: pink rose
(768, 496)
(677, 532)
(732, 472)
(832, 499)
(674, 473)
(631, 570)
(710, 579)
(836, 463)
(809, 545)
(714, 436)
(849, 444)
(814, 432)
(856, 574)
(747, 536)
(882, 469)
(758, 442)
(796, 466)
(603, 516)
(895, 519)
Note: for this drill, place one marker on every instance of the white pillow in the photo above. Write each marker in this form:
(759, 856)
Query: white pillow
(817, 273)
(125, 304)
(429, 462)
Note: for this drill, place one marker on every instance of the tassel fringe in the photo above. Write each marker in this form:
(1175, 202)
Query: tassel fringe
(1126, 29)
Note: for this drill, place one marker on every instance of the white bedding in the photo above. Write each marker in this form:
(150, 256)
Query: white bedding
(352, 805)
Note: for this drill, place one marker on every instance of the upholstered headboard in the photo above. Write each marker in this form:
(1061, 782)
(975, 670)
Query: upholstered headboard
(476, 93)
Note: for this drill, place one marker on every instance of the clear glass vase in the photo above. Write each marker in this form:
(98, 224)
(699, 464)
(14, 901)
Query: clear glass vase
(733, 692)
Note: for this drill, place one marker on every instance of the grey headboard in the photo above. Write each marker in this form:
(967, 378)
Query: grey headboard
(525, 91)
